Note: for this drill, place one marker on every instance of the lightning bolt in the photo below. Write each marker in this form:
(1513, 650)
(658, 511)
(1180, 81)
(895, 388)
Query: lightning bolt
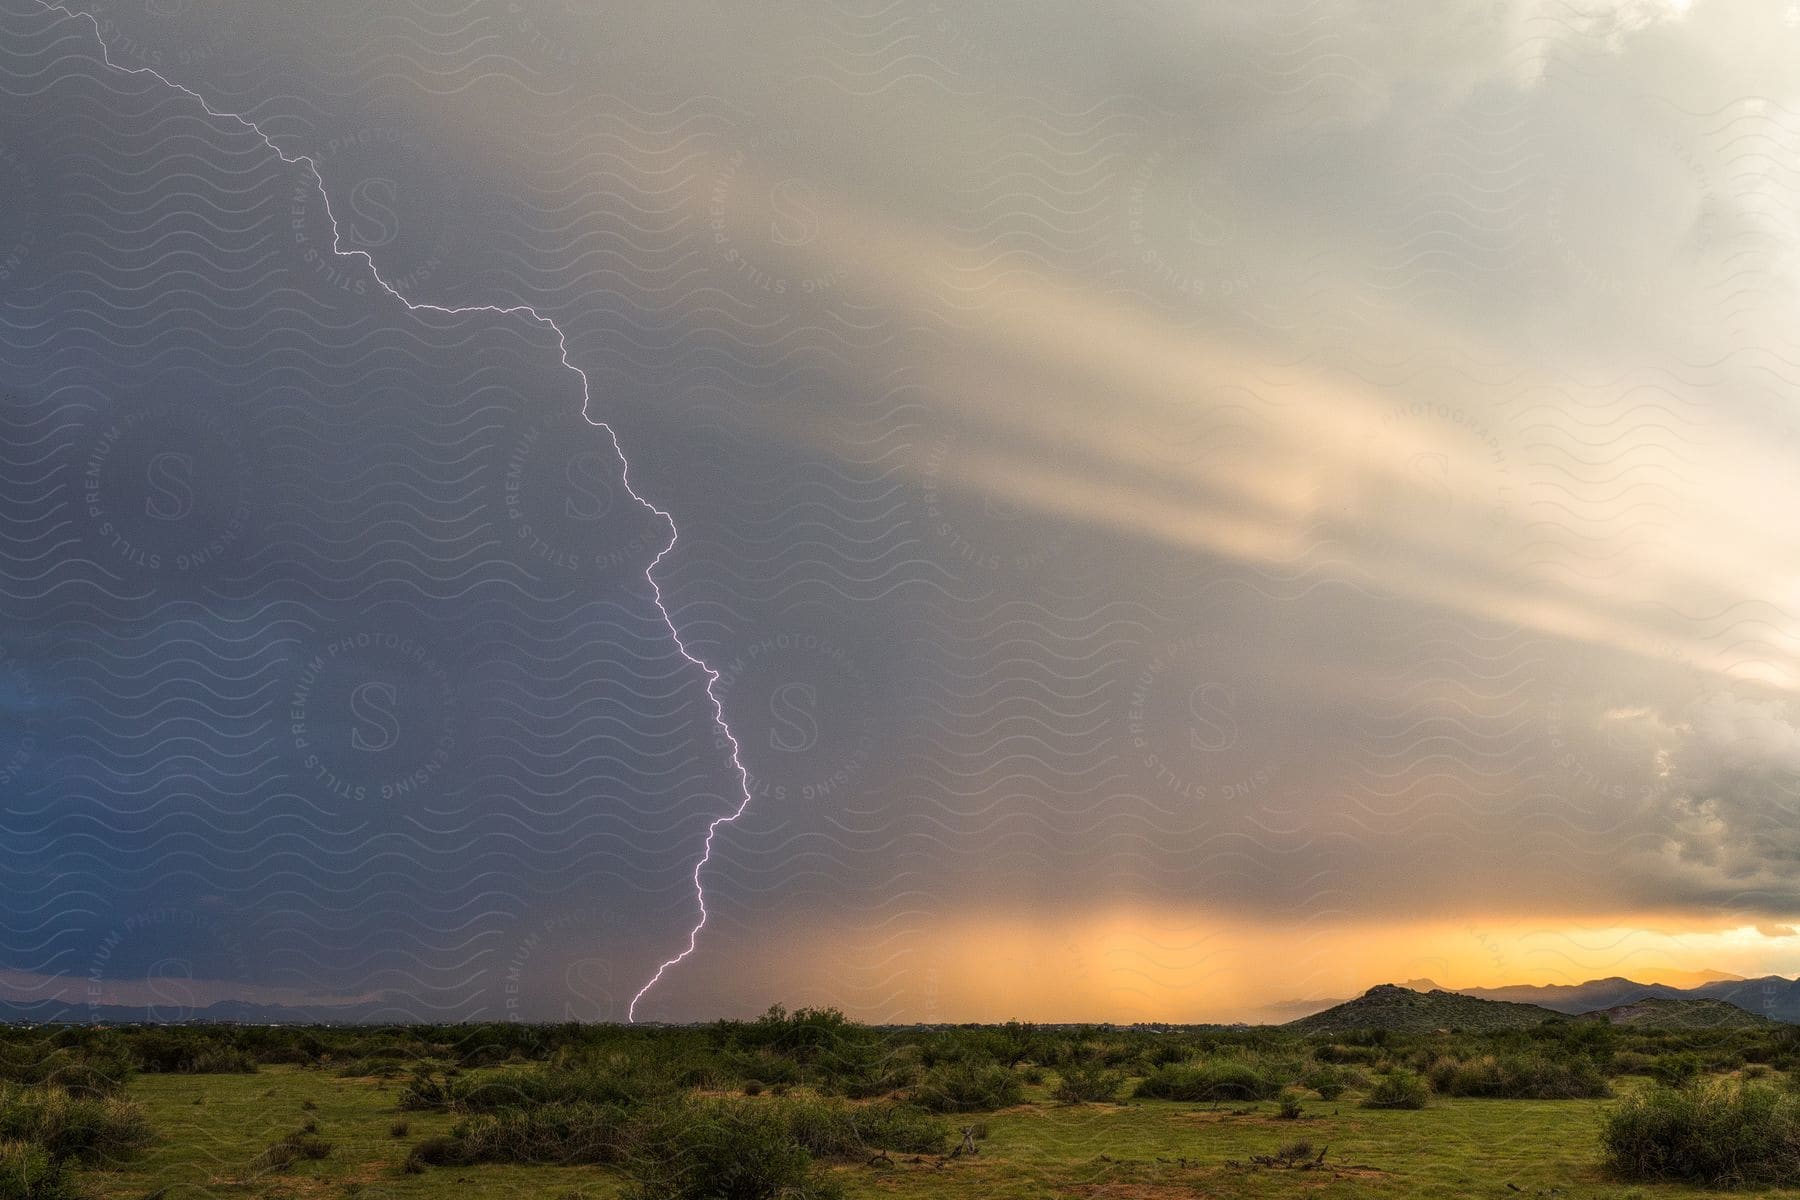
(562, 342)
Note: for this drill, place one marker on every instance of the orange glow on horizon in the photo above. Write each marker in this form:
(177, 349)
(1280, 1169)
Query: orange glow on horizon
(1128, 964)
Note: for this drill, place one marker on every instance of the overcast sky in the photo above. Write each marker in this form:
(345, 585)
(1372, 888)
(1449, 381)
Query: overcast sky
(1191, 505)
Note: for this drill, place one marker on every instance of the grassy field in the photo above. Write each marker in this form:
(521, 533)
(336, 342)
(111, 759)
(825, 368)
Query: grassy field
(212, 1128)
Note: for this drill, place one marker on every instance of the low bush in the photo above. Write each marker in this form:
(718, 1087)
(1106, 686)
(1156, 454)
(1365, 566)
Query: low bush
(1715, 1133)
(872, 1071)
(425, 1092)
(1090, 1081)
(1331, 1081)
(1676, 1070)
(1336, 1053)
(733, 1150)
(1398, 1089)
(1210, 1081)
(90, 1071)
(1518, 1077)
(304, 1142)
(547, 1133)
(529, 1088)
(764, 1066)
(187, 1052)
(440, 1151)
(963, 1087)
(847, 1131)
(80, 1128)
(27, 1172)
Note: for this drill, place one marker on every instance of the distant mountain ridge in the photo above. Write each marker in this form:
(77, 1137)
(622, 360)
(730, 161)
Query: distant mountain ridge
(1407, 1010)
(1691, 1013)
(1404, 1010)
(384, 1011)
(1771, 996)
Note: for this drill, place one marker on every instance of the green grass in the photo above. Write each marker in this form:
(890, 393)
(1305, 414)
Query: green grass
(1039, 1150)
(210, 1149)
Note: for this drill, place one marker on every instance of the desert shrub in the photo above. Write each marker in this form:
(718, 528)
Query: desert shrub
(1032, 1074)
(1334, 1052)
(81, 1078)
(399, 1129)
(546, 1133)
(838, 1130)
(1398, 1089)
(964, 1087)
(1159, 1054)
(425, 1092)
(722, 1151)
(1518, 1077)
(806, 1035)
(369, 1068)
(1012, 1043)
(1108, 1053)
(82, 1128)
(1329, 1081)
(868, 1070)
(1717, 1133)
(27, 1172)
(97, 1070)
(606, 1085)
(1210, 1081)
(188, 1052)
(763, 1066)
(299, 1144)
(221, 1060)
(1290, 1108)
(1632, 1062)
(440, 1151)
(1089, 1081)
(1676, 1070)
(298, 1047)
(902, 1128)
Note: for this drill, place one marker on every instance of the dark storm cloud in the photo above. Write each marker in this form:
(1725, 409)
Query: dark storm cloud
(1272, 463)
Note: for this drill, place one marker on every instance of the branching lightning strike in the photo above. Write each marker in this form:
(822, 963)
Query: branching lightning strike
(562, 341)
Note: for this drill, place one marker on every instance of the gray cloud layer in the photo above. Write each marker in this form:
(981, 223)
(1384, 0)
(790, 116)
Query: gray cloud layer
(1300, 463)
